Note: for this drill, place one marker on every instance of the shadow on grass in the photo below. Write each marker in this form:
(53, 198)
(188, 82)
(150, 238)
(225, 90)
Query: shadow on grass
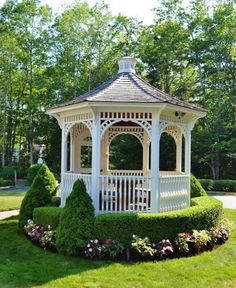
(24, 265)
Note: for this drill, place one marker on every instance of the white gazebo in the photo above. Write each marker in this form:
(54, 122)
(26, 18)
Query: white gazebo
(126, 104)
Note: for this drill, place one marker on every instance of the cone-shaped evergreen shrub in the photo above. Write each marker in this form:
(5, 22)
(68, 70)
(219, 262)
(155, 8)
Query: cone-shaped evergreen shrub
(32, 172)
(76, 222)
(196, 188)
(38, 195)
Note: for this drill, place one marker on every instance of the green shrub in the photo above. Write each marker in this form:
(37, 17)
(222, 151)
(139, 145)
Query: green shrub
(224, 185)
(219, 185)
(205, 213)
(116, 226)
(7, 173)
(32, 172)
(56, 201)
(207, 184)
(196, 189)
(4, 183)
(76, 222)
(38, 195)
(45, 216)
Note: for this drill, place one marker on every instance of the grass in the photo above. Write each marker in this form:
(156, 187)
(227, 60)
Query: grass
(25, 265)
(10, 200)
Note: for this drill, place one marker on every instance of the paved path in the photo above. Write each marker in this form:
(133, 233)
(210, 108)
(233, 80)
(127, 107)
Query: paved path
(229, 201)
(7, 214)
(14, 189)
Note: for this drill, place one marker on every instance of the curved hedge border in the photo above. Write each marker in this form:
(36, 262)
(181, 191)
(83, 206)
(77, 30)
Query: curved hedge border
(204, 213)
(45, 216)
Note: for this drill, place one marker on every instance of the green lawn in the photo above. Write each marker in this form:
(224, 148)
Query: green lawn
(10, 200)
(25, 265)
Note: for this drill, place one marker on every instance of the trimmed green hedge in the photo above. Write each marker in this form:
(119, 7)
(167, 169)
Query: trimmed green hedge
(204, 213)
(196, 188)
(218, 185)
(4, 183)
(45, 216)
(7, 173)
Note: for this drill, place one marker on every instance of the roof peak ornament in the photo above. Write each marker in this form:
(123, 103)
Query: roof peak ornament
(127, 64)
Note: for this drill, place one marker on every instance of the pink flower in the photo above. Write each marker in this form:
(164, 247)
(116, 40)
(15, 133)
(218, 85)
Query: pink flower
(90, 249)
(95, 241)
(107, 241)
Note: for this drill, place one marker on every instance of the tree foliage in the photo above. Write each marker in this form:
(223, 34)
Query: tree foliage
(46, 58)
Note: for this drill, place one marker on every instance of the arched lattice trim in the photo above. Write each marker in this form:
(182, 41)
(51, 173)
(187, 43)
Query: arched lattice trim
(68, 126)
(108, 123)
(135, 131)
(172, 129)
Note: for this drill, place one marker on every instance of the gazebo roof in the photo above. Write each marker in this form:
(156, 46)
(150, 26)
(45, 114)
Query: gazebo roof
(126, 86)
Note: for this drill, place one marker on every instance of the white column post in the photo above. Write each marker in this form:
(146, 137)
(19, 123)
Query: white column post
(179, 152)
(96, 161)
(145, 153)
(72, 150)
(63, 163)
(63, 151)
(155, 143)
(187, 157)
(106, 153)
(187, 151)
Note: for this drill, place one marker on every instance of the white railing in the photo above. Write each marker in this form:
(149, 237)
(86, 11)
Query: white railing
(124, 194)
(68, 180)
(126, 172)
(174, 192)
(170, 173)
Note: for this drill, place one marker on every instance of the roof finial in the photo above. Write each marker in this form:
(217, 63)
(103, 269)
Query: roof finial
(127, 64)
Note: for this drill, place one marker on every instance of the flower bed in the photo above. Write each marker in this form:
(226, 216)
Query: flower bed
(43, 237)
(185, 244)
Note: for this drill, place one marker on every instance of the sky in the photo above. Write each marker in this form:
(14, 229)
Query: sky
(140, 9)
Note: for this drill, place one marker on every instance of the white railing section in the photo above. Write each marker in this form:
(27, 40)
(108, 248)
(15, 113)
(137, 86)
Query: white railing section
(174, 192)
(124, 194)
(126, 172)
(68, 180)
(170, 173)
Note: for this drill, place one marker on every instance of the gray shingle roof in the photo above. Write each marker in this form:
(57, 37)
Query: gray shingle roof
(127, 87)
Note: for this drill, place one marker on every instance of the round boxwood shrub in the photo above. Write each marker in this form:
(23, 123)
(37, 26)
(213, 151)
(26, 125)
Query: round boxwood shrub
(38, 195)
(32, 172)
(45, 216)
(196, 189)
(76, 222)
(204, 213)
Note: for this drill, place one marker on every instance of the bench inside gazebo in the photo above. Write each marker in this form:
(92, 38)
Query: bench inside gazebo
(126, 104)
